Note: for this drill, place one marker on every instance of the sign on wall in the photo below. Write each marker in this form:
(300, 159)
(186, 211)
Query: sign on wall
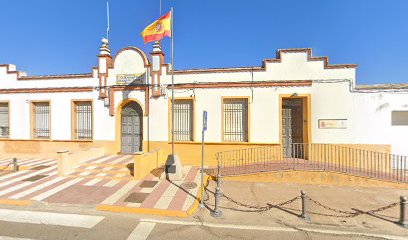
(126, 79)
(333, 123)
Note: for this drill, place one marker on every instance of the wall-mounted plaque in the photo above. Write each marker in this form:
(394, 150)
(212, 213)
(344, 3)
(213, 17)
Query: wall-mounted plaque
(333, 123)
(126, 79)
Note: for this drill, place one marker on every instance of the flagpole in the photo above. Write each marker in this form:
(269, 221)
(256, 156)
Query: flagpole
(108, 18)
(172, 82)
(160, 8)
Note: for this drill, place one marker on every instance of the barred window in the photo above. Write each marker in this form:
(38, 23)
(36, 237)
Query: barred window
(235, 120)
(183, 120)
(4, 120)
(41, 126)
(83, 120)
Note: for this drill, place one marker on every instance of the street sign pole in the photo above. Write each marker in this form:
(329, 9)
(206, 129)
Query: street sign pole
(202, 158)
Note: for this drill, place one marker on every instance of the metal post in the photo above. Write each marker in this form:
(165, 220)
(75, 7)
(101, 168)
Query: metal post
(172, 82)
(202, 172)
(217, 212)
(304, 211)
(15, 165)
(403, 204)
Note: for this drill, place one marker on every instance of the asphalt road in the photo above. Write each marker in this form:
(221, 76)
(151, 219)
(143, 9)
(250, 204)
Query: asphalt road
(56, 222)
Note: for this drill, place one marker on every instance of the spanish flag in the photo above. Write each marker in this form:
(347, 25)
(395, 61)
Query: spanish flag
(158, 29)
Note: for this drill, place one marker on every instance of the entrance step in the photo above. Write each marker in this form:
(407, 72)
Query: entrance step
(103, 165)
(106, 167)
(99, 177)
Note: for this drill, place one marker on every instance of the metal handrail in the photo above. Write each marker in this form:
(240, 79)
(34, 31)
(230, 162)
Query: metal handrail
(315, 157)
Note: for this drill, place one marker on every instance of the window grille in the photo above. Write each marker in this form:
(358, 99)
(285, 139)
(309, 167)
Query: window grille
(183, 120)
(83, 120)
(4, 120)
(235, 120)
(41, 120)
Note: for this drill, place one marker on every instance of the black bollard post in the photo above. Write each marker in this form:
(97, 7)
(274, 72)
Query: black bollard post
(15, 165)
(403, 204)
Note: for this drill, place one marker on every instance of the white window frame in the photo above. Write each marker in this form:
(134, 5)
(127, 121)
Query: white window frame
(183, 120)
(5, 124)
(35, 118)
(87, 123)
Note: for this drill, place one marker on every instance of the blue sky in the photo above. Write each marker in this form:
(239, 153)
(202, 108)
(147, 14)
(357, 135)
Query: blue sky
(57, 37)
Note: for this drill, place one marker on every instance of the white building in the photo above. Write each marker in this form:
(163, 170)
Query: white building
(124, 105)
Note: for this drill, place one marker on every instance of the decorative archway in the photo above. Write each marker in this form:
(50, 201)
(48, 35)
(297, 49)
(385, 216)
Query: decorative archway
(131, 128)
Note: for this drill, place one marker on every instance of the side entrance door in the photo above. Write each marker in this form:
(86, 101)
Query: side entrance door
(131, 128)
(292, 128)
(287, 132)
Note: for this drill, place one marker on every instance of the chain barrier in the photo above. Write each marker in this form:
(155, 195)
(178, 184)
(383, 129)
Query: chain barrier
(268, 206)
(4, 168)
(349, 214)
(383, 208)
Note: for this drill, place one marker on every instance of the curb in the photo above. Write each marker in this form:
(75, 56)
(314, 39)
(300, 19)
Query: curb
(158, 212)
(15, 202)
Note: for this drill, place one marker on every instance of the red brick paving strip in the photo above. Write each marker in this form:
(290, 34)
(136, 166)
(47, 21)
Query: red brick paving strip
(20, 182)
(154, 197)
(81, 195)
(135, 189)
(40, 191)
(95, 159)
(181, 196)
(34, 184)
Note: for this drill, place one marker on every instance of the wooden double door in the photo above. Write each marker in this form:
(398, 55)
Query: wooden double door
(131, 128)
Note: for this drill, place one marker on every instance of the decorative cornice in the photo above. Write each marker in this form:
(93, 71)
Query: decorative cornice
(396, 86)
(310, 58)
(46, 90)
(54, 77)
(45, 77)
(293, 83)
(278, 59)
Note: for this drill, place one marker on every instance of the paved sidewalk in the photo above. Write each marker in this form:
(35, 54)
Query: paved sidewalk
(107, 188)
(245, 201)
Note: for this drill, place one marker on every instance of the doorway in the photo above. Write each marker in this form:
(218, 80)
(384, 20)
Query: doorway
(294, 127)
(131, 128)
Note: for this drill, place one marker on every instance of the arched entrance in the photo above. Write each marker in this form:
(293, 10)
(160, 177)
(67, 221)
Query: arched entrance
(131, 128)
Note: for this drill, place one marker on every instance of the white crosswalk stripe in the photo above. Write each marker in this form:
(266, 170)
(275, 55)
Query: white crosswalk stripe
(36, 188)
(48, 170)
(142, 231)
(49, 218)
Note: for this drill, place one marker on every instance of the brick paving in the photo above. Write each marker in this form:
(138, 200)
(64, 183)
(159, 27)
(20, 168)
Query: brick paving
(100, 181)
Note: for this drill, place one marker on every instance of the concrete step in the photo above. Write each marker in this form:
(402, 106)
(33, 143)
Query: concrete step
(73, 175)
(97, 171)
(104, 165)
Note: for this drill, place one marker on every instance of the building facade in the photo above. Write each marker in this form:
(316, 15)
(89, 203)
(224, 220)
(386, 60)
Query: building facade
(124, 106)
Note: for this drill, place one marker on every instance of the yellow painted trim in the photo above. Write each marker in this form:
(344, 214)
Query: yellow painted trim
(118, 122)
(32, 118)
(15, 202)
(327, 178)
(158, 212)
(226, 143)
(43, 140)
(306, 104)
(9, 122)
(193, 100)
(247, 98)
(20, 167)
(74, 118)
